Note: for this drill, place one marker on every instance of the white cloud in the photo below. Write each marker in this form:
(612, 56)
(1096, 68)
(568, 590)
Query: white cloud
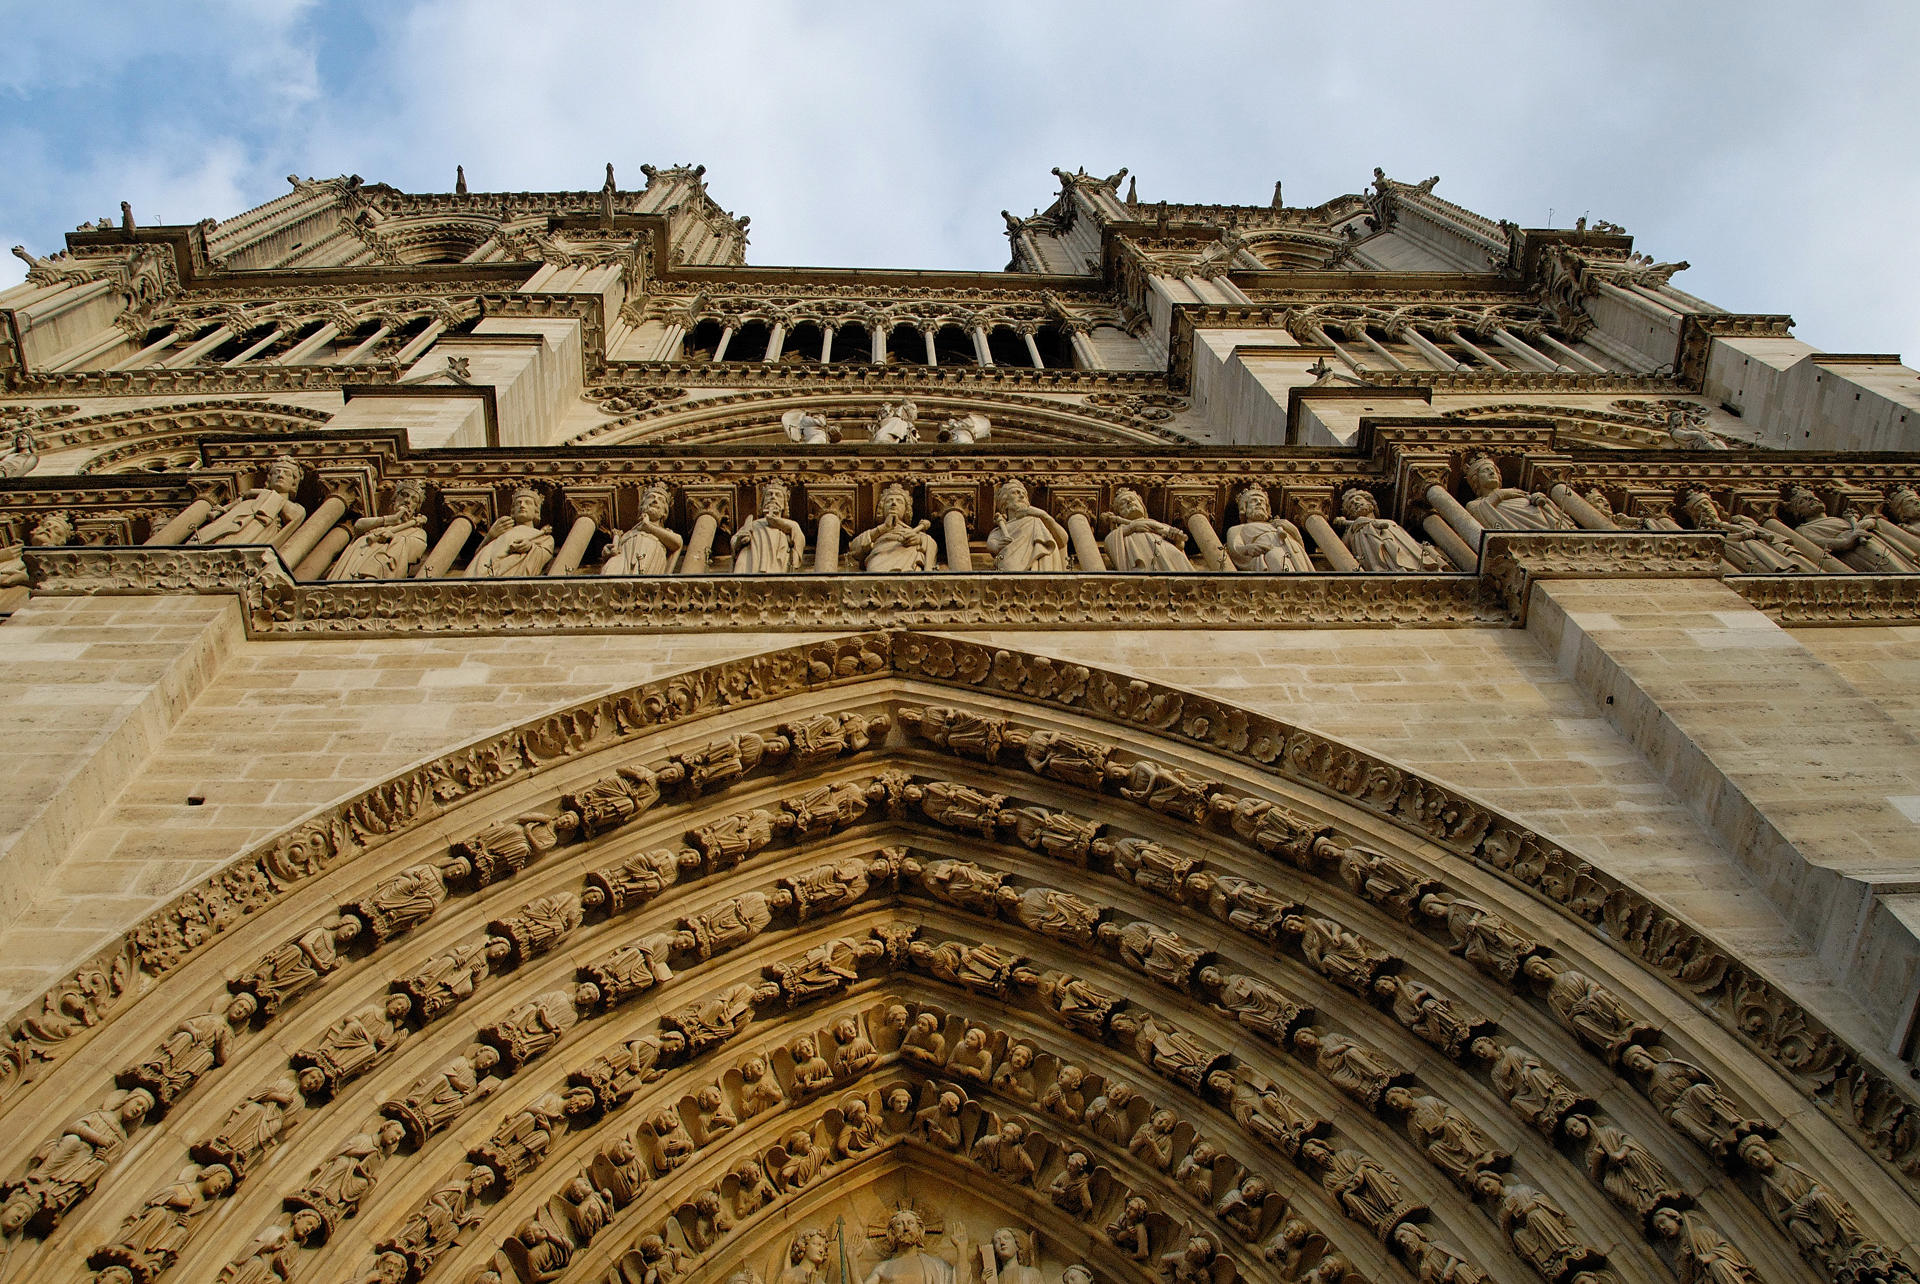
(1760, 143)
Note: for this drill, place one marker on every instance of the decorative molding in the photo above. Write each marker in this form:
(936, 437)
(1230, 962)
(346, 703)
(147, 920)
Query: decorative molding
(1510, 561)
(1832, 599)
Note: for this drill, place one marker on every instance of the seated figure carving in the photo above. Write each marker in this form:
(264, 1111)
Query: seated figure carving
(516, 544)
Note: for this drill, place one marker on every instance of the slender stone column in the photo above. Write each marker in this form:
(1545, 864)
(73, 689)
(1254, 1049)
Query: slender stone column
(982, 350)
(1464, 524)
(1449, 543)
(300, 351)
(720, 349)
(1475, 351)
(1426, 347)
(1338, 556)
(1033, 349)
(710, 505)
(184, 523)
(1589, 517)
(776, 341)
(145, 356)
(955, 507)
(1822, 558)
(366, 345)
(308, 534)
(672, 342)
(199, 347)
(1376, 345)
(877, 338)
(254, 349)
(314, 565)
(1572, 354)
(831, 506)
(1086, 548)
(420, 343)
(567, 560)
(1326, 340)
(1194, 508)
(933, 356)
(1084, 350)
(441, 559)
(1525, 351)
(826, 342)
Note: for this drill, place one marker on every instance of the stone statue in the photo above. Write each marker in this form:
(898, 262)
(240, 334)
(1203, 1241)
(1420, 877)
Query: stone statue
(1252, 907)
(827, 889)
(1818, 1221)
(1592, 1011)
(433, 1101)
(638, 879)
(1630, 1174)
(1452, 1142)
(1128, 1231)
(1060, 915)
(1014, 1078)
(1005, 1151)
(1430, 1014)
(1108, 1116)
(1139, 543)
(940, 1122)
(1169, 1050)
(1366, 1192)
(1693, 1102)
(985, 969)
(808, 429)
(1748, 545)
(731, 923)
(530, 1029)
(1542, 1234)
(21, 457)
(151, 1239)
(1338, 952)
(517, 544)
(287, 971)
(965, 430)
(1058, 834)
(612, 801)
(1008, 1259)
(895, 543)
(854, 1053)
(537, 926)
(1152, 1141)
(907, 1261)
(1078, 1003)
(859, 1130)
(1072, 1187)
(1504, 508)
(924, 1042)
(1266, 1115)
(895, 425)
(636, 966)
(811, 1072)
(1152, 950)
(1245, 1206)
(1195, 1171)
(351, 1046)
(1480, 936)
(806, 1259)
(63, 1171)
(1701, 1253)
(1434, 1262)
(1355, 1069)
(333, 1190)
(1063, 1098)
(717, 1019)
(759, 1090)
(262, 515)
(390, 546)
(771, 543)
(504, 849)
(1261, 543)
(195, 1046)
(1065, 756)
(1025, 538)
(268, 1260)
(400, 903)
(647, 547)
(971, 1058)
(444, 981)
(1259, 1005)
(1539, 1096)
(1853, 539)
(1378, 543)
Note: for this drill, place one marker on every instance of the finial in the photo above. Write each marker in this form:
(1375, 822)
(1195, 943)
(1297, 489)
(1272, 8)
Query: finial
(126, 216)
(1277, 203)
(1133, 193)
(608, 185)
(459, 180)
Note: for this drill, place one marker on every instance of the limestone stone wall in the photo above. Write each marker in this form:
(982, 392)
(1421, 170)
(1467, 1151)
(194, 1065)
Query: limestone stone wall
(263, 731)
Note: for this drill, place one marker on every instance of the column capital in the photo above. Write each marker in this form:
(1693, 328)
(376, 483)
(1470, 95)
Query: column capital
(954, 497)
(1184, 501)
(1072, 501)
(831, 497)
(715, 501)
(1301, 504)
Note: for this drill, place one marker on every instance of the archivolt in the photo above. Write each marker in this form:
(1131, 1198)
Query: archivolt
(755, 418)
(467, 1003)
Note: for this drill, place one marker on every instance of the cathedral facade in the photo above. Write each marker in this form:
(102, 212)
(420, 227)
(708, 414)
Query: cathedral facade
(1344, 743)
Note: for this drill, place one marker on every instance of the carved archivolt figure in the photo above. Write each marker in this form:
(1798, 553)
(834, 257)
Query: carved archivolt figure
(1542, 1234)
(1505, 508)
(1748, 545)
(351, 1046)
(1452, 1142)
(647, 547)
(1139, 543)
(895, 543)
(400, 903)
(151, 1239)
(504, 849)
(436, 1100)
(195, 1046)
(1072, 1188)
(759, 1090)
(1588, 1008)
(1024, 537)
(1259, 543)
(260, 516)
(288, 970)
(334, 1189)
(971, 1058)
(1259, 1005)
(1005, 1152)
(1701, 1254)
(1350, 1066)
(1693, 1102)
(1061, 915)
(859, 1130)
(940, 1123)
(387, 547)
(1630, 1174)
(1855, 540)
(516, 544)
(964, 430)
(895, 425)
(1540, 1096)
(444, 980)
(1128, 1231)
(64, 1170)
(772, 543)
(1377, 543)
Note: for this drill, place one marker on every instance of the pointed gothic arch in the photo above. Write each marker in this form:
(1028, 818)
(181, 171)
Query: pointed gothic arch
(1429, 1030)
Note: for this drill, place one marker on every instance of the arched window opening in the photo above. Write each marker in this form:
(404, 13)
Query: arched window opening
(701, 341)
(238, 344)
(1008, 347)
(852, 342)
(802, 344)
(954, 347)
(906, 345)
(1056, 348)
(750, 342)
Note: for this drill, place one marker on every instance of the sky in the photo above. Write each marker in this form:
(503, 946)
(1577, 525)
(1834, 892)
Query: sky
(1775, 146)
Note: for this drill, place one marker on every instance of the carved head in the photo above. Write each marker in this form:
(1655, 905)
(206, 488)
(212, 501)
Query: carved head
(808, 1246)
(753, 1069)
(527, 503)
(307, 1225)
(409, 497)
(313, 1080)
(1119, 1094)
(854, 1109)
(1006, 1246)
(284, 474)
(1357, 505)
(1069, 1077)
(1253, 1189)
(708, 1098)
(773, 499)
(216, 1180)
(907, 411)
(1902, 504)
(1254, 505)
(895, 502)
(925, 1024)
(974, 1039)
(655, 500)
(1598, 498)
(17, 1212)
(799, 1142)
(134, 1107)
(391, 1134)
(1164, 1120)
(1800, 503)
(899, 1100)
(1020, 1056)
(804, 1049)
(1700, 509)
(949, 1103)
(1128, 504)
(1078, 1273)
(52, 530)
(845, 1031)
(1011, 494)
(1482, 474)
(904, 1230)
